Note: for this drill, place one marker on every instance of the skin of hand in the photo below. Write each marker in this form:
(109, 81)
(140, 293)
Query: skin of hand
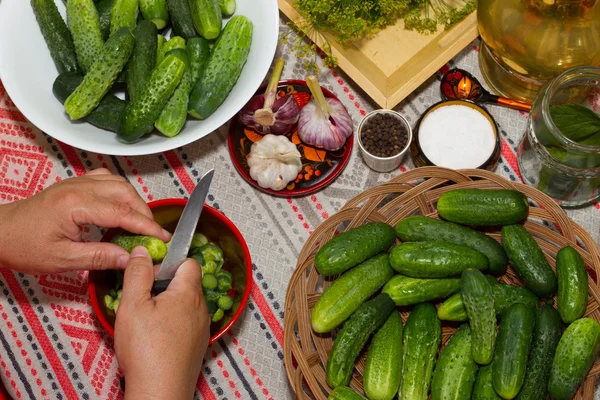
(41, 234)
(160, 341)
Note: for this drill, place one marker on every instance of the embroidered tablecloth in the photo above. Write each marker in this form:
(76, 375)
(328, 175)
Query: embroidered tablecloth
(52, 346)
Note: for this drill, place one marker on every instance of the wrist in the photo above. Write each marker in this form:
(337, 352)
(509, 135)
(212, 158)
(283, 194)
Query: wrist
(149, 387)
(6, 210)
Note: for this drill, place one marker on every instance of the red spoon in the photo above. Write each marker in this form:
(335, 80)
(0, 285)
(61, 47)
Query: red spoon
(459, 84)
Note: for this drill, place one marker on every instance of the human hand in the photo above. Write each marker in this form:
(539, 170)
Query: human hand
(41, 234)
(160, 341)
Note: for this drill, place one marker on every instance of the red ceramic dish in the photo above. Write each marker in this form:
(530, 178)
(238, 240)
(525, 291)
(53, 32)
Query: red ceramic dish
(219, 229)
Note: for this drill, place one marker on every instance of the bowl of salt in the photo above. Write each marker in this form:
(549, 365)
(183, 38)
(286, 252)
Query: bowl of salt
(456, 134)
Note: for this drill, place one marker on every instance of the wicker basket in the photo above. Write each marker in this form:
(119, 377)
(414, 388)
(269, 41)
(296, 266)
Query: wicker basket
(412, 193)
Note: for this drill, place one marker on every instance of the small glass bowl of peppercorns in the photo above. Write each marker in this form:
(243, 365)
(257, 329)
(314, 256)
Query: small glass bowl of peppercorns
(384, 137)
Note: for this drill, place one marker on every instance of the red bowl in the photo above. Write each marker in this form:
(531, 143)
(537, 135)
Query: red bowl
(219, 229)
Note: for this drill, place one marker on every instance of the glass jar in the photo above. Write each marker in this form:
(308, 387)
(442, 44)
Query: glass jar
(552, 161)
(526, 43)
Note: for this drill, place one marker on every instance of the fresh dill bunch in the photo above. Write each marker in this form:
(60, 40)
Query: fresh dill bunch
(424, 16)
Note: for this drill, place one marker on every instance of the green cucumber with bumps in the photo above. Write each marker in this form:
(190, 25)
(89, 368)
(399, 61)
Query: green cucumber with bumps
(206, 17)
(527, 258)
(435, 259)
(455, 370)
(453, 309)
(344, 393)
(512, 350)
(198, 53)
(124, 13)
(575, 354)
(349, 291)
(546, 334)
(353, 246)
(155, 11)
(172, 118)
(425, 229)
(223, 68)
(421, 341)
(353, 336)
(383, 366)
(101, 76)
(181, 19)
(176, 42)
(143, 58)
(103, 8)
(84, 24)
(572, 278)
(482, 207)
(476, 293)
(483, 388)
(56, 35)
(406, 291)
(227, 7)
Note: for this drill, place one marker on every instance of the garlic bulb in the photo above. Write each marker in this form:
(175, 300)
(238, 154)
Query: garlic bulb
(274, 162)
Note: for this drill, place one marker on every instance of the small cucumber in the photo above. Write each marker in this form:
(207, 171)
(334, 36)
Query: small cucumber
(227, 7)
(512, 350)
(223, 67)
(353, 336)
(455, 371)
(348, 292)
(181, 19)
(56, 35)
(435, 259)
(425, 229)
(176, 42)
(576, 352)
(527, 258)
(207, 17)
(160, 43)
(198, 53)
(140, 114)
(352, 247)
(546, 334)
(482, 207)
(483, 388)
(476, 293)
(103, 7)
(84, 24)
(156, 247)
(344, 393)
(572, 284)
(453, 309)
(155, 11)
(421, 342)
(124, 13)
(406, 291)
(143, 58)
(383, 366)
(101, 76)
(172, 118)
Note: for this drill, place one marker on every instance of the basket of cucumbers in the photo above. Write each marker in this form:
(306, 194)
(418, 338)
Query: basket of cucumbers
(449, 285)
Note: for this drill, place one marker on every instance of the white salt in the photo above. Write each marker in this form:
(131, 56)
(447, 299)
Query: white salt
(456, 136)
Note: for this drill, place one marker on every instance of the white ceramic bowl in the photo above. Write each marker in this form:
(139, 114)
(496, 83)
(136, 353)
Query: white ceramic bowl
(27, 72)
(383, 164)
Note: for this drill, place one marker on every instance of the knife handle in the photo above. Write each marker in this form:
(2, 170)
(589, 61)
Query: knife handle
(160, 286)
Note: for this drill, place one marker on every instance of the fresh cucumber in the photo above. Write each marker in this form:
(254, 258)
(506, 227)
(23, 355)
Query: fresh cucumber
(576, 352)
(512, 350)
(181, 19)
(353, 336)
(227, 7)
(172, 118)
(383, 366)
(124, 13)
(483, 388)
(207, 17)
(482, 207)
(101, 76)
(455, 370)
(421, 341)
(527, 258)
(572, 284)
(143, 58)
(352, 247)
(546, 334)
(406, 291)
(348, 292)
(453, 309)
(56, 35)
(108, 112)
(176, 42)
(160, 43)
(425, 229)
(84, 24)
(344, 393)
(155, 11)
(140, 114)
(156, 247)
(198, 53)
(103, 7)
(435, 259)
(223, 68)
(476, 293)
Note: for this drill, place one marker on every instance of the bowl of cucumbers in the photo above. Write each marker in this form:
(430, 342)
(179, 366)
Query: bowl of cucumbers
(133, 78)
(219, 248)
